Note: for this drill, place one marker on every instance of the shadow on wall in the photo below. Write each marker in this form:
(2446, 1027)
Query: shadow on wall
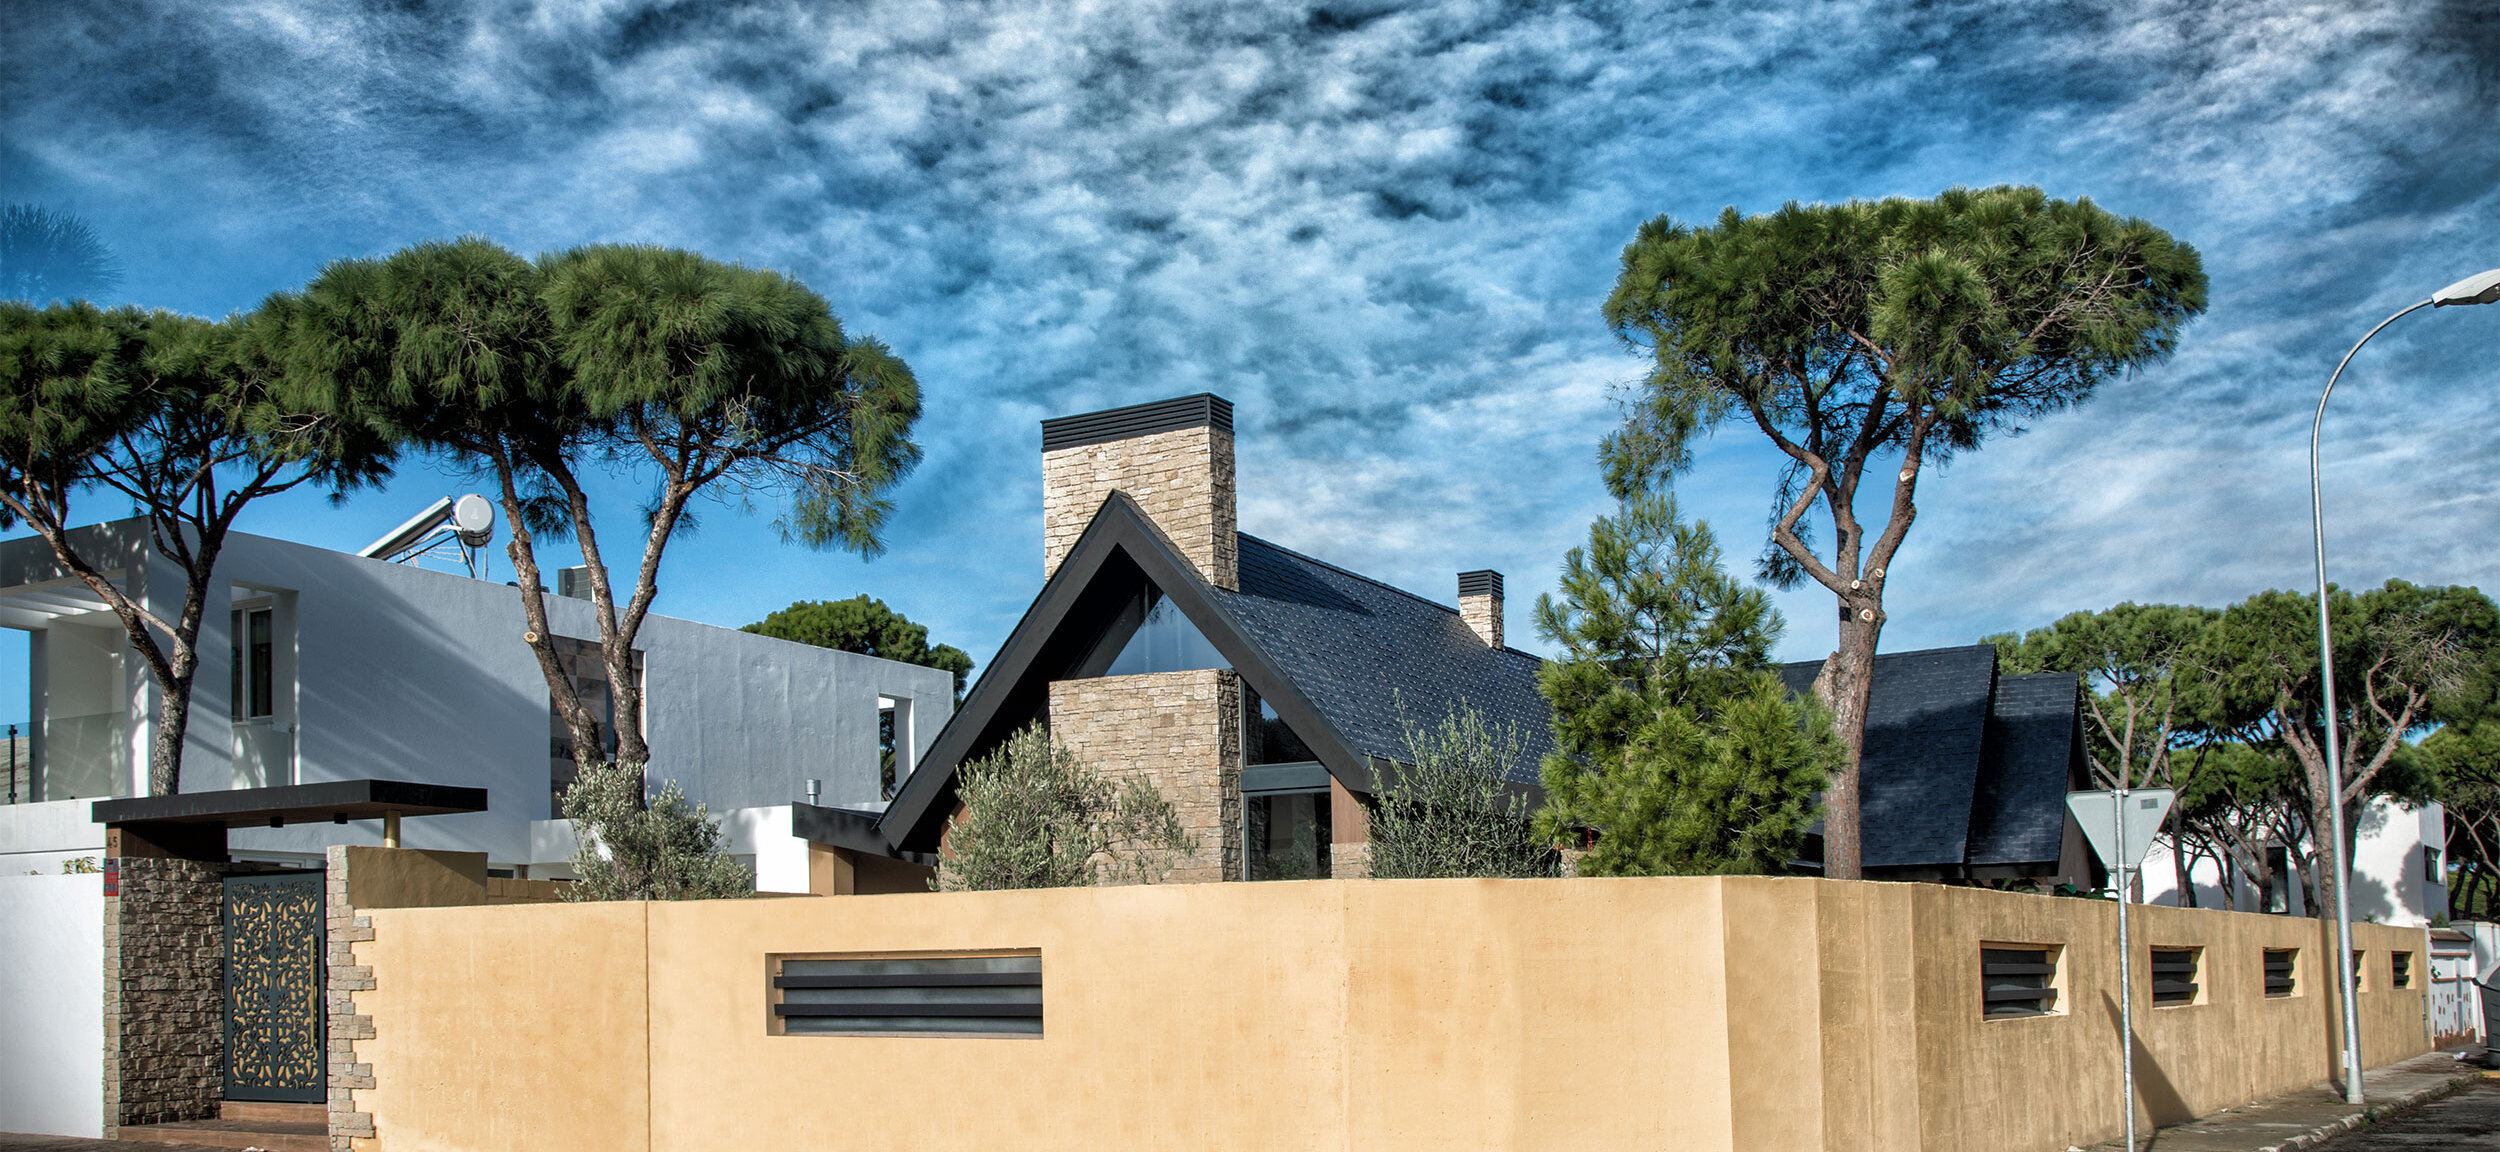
(2154, 1088)
(2373, 898)
(404, 673)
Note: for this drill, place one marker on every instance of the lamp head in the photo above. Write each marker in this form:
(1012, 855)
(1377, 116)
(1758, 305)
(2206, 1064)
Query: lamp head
(2480, 288)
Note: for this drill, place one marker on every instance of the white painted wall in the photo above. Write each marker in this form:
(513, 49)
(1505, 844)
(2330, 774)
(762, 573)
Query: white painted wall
(52, 1005)
(761, 837)
(405, 673)
(2391, 882)
(37, 837)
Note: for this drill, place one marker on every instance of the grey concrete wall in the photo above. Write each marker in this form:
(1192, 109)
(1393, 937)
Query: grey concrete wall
(406, 673)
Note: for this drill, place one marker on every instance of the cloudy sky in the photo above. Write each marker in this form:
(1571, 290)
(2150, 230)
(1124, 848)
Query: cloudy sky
(1383, 231)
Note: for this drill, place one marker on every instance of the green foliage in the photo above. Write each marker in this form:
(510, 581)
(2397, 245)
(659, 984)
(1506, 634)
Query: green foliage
(1450, 810)
(699, 377)
(720, 372)
(181, 416)
(67, 388)
(1677, 745)
(866, 626)
(2140, 662)
(630, 847)
(47, 256)
(1899, 329)
(1034, 816)
(1960, 315)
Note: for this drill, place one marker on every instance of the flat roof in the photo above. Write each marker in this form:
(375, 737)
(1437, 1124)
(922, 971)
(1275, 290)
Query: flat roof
(330, 801)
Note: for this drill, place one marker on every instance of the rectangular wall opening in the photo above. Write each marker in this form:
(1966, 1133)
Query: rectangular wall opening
(2400, 969)
(894, 745)
(869, 994)
(2280, 965)
(260, 689)
(2174, 976)
(2018, 980)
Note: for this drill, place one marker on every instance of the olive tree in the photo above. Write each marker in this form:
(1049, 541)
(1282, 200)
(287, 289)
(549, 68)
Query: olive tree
(1036, 816)
(1871, 340)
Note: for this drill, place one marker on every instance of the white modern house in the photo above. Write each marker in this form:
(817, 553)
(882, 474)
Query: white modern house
(318, 665)
(2398, 874)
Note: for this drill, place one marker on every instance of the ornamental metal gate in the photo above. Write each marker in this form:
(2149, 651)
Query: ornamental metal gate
(274, 1012)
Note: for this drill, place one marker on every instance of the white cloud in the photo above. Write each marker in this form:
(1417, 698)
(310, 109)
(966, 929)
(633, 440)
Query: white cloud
(1383, 232)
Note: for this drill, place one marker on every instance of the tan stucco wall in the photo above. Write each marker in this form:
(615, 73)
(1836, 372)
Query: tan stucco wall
(1900, 982)
(1182, 479)
(413, 877)
(1180, 730)
(509, 1026)
(1704, 1014)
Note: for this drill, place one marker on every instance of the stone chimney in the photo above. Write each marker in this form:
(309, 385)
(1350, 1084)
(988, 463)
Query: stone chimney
(1174, 457)
(1480, 604)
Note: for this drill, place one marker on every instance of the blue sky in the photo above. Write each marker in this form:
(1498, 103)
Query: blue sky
(1383, 231)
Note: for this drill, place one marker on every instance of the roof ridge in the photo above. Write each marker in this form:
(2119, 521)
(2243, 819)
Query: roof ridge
(1344, 571)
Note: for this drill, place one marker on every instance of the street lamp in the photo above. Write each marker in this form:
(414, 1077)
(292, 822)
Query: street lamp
(2482, 288)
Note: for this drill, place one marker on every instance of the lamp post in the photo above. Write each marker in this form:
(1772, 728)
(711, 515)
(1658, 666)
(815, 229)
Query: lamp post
(2483, 288)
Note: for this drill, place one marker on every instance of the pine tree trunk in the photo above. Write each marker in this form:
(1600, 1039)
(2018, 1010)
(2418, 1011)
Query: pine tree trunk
(1846, 682)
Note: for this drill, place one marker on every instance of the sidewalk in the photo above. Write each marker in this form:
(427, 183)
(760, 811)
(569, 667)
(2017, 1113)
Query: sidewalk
(2310, 1117)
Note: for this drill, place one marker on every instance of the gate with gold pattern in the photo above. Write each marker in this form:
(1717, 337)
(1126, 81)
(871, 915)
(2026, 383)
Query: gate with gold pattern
(274, 1001)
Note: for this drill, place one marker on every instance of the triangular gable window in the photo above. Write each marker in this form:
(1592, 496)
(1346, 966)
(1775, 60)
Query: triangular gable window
(1165, 641)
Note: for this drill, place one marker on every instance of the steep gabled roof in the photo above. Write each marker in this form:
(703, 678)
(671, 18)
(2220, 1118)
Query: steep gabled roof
(1330, 651)
(2035, 749)
(1926, 731)
(1372, 658)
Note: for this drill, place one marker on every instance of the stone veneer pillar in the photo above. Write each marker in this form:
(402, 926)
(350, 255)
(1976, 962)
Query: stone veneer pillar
(1180, 730)
(344, 978)
(1173, 457)
(164, 989)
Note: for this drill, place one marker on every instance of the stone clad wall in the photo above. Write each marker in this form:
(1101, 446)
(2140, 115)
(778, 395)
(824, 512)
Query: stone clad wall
(164, 992)
(1183, 479)
(344, 978)
(1182, 730)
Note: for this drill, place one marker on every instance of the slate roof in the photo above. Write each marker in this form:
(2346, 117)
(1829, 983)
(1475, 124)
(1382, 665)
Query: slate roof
(1962, 767)
(1361, 650)
(2036, 743)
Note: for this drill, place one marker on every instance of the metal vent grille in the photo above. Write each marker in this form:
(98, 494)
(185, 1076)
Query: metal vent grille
(2400, 969)
(2279, 970)
(2174, 976)
(1203, 410)
(993, 995)
(2016, 981)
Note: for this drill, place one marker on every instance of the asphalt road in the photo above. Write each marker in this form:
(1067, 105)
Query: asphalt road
(2467, 1120)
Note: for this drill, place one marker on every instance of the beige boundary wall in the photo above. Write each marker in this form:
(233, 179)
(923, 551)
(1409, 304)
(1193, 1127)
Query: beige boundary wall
(1702, 1014)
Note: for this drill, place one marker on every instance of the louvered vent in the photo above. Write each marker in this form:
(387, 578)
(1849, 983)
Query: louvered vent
(2279, 970)
(2017, 980)
(987, 995)
(2174, 976)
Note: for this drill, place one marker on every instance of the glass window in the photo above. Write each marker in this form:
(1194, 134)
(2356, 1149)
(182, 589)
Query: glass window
(264, 650)
(1165, 641)
(584, 662)
(254, 685)
(1265, 738)
(1285, 836)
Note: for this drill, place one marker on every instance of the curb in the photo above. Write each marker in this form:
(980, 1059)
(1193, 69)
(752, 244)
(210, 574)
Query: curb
(2372, 1114)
